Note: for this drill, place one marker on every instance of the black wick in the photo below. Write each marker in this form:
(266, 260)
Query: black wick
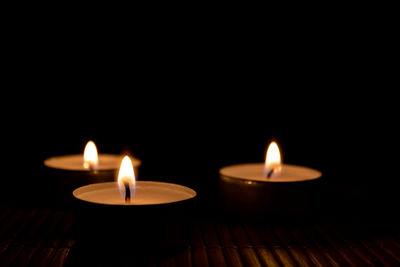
(127, 193)
(270, 173)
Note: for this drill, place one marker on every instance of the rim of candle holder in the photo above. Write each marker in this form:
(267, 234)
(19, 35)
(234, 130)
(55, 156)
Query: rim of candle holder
(77, 190)
(267, 180)
(49, 162)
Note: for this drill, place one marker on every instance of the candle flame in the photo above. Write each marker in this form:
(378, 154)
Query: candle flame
(90, 157)
(126, 176)
(273, 165)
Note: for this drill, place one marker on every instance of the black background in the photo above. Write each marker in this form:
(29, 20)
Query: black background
(189, 99)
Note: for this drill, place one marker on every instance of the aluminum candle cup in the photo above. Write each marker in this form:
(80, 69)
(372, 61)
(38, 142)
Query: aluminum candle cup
(66, 173)
(158, 217)
(246, 191)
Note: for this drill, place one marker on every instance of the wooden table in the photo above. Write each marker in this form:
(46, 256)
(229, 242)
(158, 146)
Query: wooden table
(44, 237)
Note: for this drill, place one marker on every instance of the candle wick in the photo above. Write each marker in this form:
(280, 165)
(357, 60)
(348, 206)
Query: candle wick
(270, 173)
(127, 193)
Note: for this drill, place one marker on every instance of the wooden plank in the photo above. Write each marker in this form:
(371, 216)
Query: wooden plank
(310, 248)
(385, 259)
(225, 235)
(59, 258)
(249, 257)
(215, 244)
(10, 224)
(25, 256)
(296, 252)
(276, 247)
(67, 238)
(384, 244)
(372, 247)
(239, 235)
(33, 231)
(28, 222)
(50, 234)
(196, 239)
(232, 257)
(300, 257)
(266, 257)
(301, 238)
(269, 238)
(209, 234)
(283, 257)
(325, 248)
(21, 234)
(42, 257)
(284, 236)
(317, 257)
(385, 239)
(393, 240)
(9, 255)
(17, 234)
(216, 257)
(55, 230)
(58, 229)
(341, 247)
(255, 235)
(355, 245)
(199, 257)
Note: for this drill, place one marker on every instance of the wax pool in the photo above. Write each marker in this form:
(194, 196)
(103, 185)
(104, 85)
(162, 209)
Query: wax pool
(255, 172)
(146, 193)
(75, 162)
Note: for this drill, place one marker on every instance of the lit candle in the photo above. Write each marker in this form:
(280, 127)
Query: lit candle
(155, 216)
(270, 187)
(140, 192)
(90, 156)
(68, 172)
(90, 161)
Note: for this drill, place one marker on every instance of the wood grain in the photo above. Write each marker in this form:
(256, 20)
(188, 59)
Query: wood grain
(44, 237)
(232, 257)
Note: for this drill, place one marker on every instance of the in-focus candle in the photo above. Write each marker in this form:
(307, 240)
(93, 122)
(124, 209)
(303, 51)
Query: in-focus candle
(157, 217)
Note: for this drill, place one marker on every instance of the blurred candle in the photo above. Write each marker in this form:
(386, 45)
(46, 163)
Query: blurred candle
(69, 172)
(89, 162)
(269, 187)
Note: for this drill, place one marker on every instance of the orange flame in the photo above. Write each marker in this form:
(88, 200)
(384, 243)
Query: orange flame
(126, 176)
(90, 157)
(273, 165)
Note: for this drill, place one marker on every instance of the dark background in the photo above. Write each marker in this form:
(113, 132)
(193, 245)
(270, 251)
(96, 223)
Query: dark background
(188, 100)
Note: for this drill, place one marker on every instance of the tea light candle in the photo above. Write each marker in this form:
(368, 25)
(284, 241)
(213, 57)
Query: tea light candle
(68, 172)
(140, 193)
(254, 172)
(157, 216)
(89, 161)
(261, 189)
(146, 193)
